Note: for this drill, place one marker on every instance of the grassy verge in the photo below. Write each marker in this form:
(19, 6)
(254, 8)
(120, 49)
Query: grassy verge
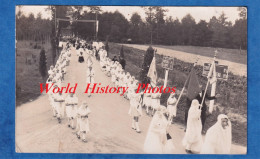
(233, 100)
(28, 77)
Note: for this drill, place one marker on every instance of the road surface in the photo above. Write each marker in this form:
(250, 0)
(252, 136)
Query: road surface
(235, 68)
(110, 125)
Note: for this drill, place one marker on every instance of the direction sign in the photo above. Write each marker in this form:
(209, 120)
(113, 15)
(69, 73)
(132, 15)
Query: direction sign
(168, 62)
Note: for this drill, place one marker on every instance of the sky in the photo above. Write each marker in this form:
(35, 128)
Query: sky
(198, 13)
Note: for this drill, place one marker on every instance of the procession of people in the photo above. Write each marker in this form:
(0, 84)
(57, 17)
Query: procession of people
(158, 138)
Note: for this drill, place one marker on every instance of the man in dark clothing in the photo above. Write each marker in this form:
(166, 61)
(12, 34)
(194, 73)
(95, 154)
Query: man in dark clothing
(122, 62)
(114, 59)
(204, 108)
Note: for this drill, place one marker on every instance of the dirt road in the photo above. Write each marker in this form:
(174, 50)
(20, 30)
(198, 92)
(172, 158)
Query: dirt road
(38, 131)
(236, 68)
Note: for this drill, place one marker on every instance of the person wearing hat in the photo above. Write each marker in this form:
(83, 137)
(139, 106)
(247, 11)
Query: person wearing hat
(171, 107)
(83, 112)
(135, 110)
(192, 140)
(71, 102)
(59, 100)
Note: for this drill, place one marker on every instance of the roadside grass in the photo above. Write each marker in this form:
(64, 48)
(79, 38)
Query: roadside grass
(232, 102)
(28, 77)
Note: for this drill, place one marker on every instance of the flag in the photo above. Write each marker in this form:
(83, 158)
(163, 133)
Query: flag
(193, 85)
(212, 77)
(152, 72)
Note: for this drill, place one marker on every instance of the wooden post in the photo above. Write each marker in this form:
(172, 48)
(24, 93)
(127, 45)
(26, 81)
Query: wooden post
(165, 78)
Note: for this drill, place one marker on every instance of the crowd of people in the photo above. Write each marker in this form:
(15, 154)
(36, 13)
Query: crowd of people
(158, 139)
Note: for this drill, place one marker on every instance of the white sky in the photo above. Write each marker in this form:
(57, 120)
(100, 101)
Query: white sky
(198, 13)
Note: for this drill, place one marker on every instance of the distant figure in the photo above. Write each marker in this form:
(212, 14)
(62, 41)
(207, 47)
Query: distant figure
(122, 62)
(114, 59)
(81, 57)
(192, 140)
(218, 138)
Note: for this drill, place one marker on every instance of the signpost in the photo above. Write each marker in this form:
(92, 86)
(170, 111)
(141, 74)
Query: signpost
(167, 64)
(221, 70)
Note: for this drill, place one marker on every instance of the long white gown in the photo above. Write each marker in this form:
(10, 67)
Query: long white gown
(156, 135)
(193, 137)
(218, 140)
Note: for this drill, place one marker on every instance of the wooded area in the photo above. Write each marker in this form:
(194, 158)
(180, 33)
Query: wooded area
(155, 29)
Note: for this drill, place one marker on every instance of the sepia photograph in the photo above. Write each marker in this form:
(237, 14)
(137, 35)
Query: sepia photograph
(130, 79)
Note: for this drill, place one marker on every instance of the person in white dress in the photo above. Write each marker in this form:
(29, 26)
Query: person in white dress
(218, 138)
(71, 102)
(135, 110)
(83, 112)
(192, 140)
(156, 137)
(59, 105)
(171, 107)
(90, 79)
(155, 102)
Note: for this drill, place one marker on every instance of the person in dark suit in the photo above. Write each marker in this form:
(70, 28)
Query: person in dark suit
(114, 59)
(204, 108)
(122, 62)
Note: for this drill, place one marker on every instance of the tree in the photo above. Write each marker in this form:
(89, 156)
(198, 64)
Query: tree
(150, 19)
(188, 26)
(148, 57)
(134, 28)
(42, 64)
(159, 20)
(202, 34)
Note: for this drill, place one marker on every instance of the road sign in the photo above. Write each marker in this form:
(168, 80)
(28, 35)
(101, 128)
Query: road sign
(168, 62)
(221, 70)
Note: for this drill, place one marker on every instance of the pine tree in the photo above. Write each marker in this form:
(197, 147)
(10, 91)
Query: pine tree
(148, 57)
(42, 64)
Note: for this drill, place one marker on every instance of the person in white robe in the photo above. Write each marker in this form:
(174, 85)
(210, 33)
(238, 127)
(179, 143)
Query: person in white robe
(192, 140)
(83, 112)
(50, 95)
(156, 137)
(71, 102)
(155, 102)
(171, 107)
(135, 110)
(218, 138)
(59, 105)
(51, 71)
(90, 79)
